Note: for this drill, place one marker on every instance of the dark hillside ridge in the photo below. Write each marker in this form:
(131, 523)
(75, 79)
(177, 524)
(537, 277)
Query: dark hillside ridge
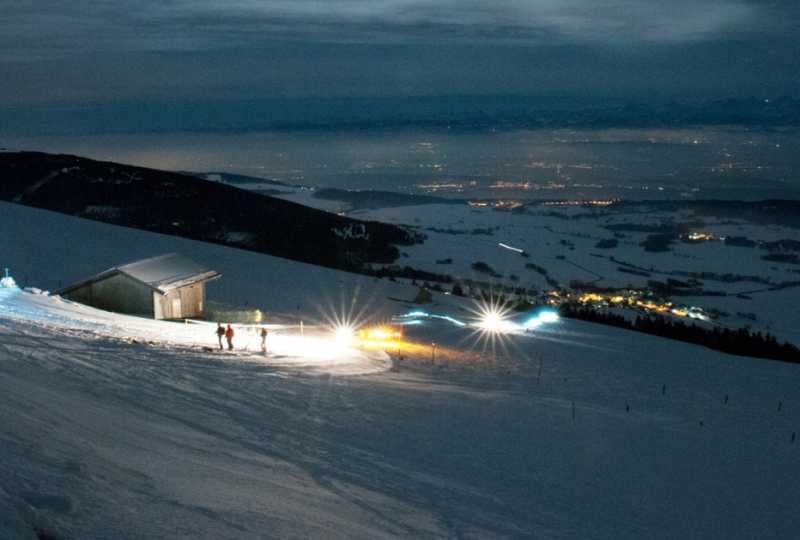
(191, 207)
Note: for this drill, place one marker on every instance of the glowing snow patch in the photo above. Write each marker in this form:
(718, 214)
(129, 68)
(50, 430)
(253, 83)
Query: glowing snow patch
(8, 283)
(449, 319)
(417, 315)
(548, 317)
(545, 317)
(533, 322)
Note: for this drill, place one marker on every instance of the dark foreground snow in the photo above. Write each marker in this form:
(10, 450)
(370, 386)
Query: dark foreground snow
(104, 438)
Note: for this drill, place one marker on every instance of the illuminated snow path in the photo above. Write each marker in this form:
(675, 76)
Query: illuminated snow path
(287, 349)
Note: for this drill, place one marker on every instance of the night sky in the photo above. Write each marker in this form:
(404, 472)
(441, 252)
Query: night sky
(57, 52)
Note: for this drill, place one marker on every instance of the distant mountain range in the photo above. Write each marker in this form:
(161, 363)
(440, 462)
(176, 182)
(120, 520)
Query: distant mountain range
(517, 114)
(444, 112)
(192, 207)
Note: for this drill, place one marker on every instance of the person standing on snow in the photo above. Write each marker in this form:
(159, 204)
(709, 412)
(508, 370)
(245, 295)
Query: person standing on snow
(229, 337)
(220, 334)
(264, 334)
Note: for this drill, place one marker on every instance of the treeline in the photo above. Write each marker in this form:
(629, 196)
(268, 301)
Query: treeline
(741, 342)
(408, 272)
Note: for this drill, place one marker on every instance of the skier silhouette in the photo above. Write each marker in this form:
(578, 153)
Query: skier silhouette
(229, 337)
(264, 334)
(220, 334)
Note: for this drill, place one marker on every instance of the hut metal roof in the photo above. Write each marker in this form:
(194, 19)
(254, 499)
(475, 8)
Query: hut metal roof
(162, 274)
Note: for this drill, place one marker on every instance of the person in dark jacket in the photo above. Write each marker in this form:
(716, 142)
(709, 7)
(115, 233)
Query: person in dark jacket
(229, 337)
(220, 334)
(264, 334)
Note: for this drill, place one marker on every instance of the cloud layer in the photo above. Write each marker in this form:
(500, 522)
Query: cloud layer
(54, 50)
(50, 27)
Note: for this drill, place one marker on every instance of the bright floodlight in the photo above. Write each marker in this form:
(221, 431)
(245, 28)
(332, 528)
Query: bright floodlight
(492, 317)
(493, 321)
(344, 335)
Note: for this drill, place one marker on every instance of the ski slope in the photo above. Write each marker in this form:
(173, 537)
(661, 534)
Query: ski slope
(117, 427)
(315, 350)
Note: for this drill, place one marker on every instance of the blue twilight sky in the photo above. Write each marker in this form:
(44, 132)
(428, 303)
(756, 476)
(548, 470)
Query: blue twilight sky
(115, 51)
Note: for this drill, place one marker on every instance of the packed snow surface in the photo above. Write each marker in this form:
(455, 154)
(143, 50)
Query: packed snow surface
(115, 427)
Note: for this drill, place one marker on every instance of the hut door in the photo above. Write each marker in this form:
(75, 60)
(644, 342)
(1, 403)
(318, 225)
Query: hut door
(176, 308)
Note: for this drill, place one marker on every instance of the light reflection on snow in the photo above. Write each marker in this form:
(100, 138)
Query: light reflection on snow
(313, 350)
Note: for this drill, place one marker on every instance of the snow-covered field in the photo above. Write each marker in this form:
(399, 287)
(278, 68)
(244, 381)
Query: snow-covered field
(563, 241)
(115, 427)
(566, 247)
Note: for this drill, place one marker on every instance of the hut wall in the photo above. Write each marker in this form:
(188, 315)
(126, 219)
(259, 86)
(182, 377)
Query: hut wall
(184, 302)
(117, 293)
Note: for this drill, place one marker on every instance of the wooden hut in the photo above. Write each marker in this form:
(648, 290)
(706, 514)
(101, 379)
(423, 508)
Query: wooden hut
(164, 287)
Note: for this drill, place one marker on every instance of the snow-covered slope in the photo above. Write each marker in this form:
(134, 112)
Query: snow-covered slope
(49, 251)
(577, 431)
